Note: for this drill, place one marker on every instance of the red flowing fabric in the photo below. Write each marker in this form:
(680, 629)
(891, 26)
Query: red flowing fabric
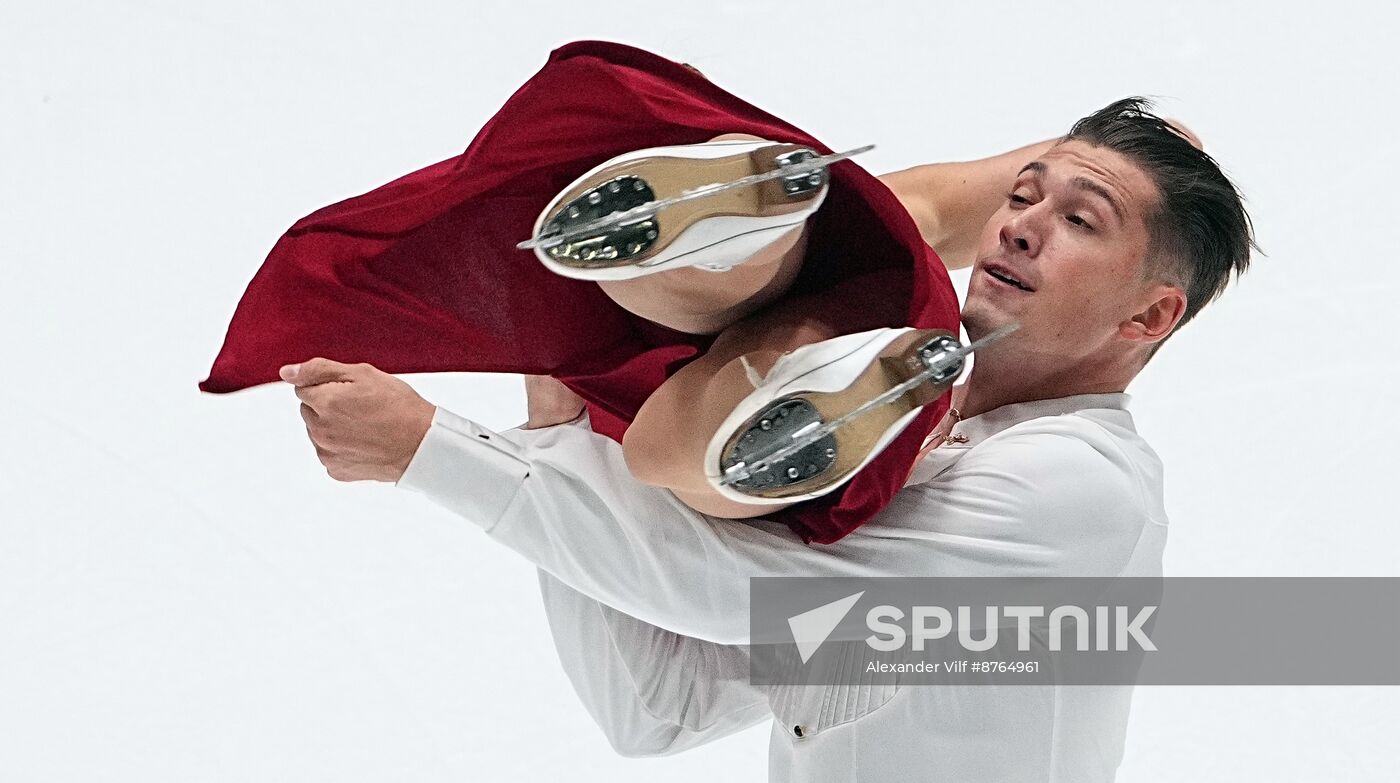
(422, 274)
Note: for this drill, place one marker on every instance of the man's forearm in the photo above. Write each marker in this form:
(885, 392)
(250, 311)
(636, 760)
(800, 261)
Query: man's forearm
(563, 498)
(951, 202)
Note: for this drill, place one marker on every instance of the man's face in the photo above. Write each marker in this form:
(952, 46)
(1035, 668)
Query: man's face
(1073, 237)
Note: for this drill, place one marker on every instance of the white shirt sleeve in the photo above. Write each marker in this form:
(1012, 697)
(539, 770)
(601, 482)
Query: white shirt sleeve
(651, 691)
(1035, 499)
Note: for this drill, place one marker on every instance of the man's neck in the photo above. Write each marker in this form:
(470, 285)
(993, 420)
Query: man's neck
(995, 383)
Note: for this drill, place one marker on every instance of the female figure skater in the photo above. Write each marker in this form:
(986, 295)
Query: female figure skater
(698, 339)
(719, 264)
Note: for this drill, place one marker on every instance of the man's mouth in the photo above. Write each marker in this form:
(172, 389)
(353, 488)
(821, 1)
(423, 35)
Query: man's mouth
(1005, 275)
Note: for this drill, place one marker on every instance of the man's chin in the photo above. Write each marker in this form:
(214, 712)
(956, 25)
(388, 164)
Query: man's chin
(980, 321)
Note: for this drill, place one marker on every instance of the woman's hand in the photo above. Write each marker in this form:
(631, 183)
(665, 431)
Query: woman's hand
(1190, 135)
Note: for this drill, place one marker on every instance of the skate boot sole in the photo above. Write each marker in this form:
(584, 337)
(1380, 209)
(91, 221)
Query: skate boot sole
(833, 459)
(635, 182)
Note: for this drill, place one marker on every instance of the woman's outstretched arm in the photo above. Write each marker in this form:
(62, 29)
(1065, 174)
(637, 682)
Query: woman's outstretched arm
(951, 202)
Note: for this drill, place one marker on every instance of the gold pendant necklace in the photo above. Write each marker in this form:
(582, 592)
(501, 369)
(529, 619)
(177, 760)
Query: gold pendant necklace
(950, 437)
(935, 441)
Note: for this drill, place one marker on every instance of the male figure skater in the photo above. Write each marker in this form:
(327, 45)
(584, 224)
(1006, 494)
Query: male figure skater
(1103, 244)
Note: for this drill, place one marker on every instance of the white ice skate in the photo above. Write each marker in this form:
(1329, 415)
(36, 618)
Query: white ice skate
(709, 205)
(825, 410)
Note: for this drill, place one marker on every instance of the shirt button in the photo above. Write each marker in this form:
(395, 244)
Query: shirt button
(799, 731)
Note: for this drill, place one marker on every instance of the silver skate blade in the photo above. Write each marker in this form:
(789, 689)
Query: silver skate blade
(648, 210)
(936, 365)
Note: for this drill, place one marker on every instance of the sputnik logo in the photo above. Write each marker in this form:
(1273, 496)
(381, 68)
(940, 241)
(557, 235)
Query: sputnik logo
(812, 627)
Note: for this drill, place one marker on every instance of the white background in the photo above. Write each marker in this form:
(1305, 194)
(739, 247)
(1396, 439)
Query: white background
(184, 594)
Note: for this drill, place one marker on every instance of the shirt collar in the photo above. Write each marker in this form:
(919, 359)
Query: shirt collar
(984, 425)
(973, 430)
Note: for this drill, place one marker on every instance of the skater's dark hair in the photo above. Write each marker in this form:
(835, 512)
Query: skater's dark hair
(1200, 231)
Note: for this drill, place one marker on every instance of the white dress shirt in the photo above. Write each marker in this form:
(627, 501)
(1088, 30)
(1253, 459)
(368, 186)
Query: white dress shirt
(648, 600)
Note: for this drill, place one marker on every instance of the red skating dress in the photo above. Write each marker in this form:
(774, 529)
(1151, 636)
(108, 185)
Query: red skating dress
(422, 274)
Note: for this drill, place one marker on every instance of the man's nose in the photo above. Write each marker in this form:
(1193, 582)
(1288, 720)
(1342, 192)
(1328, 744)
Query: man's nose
(1019, 232)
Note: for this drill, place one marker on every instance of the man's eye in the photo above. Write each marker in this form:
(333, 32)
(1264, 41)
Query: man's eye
(1015, 199)
(1079, 221)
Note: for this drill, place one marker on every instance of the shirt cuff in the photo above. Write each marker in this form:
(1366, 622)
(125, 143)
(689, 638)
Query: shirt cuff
(466, 469)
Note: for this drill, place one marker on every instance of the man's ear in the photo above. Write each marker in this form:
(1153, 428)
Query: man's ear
(1156, 321)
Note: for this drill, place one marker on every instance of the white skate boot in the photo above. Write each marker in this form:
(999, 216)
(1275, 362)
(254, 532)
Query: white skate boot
(825, 410)
(709, 205)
